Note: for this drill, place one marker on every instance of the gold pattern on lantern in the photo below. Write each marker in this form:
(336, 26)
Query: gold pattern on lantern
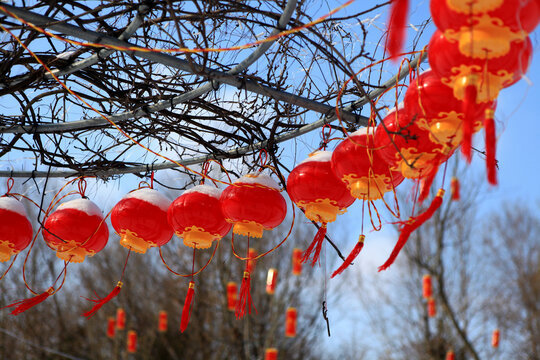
(72, 251)
(413, 164)
(462, 77)
(247, 227)
(195, 236)
(6, 250)
(131, 240)
(321, 210)
(368, 188)
(474, 7)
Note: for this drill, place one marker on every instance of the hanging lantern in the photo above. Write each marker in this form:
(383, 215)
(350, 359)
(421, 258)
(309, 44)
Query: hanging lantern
(427, 289)
(140, 219)
(485, 28)
(271, 281)
(232, 291)
(162, 321)
(290, 322)
(111, 322)
(416, 155)
(296, 261)
(120, 319)
(196, 216)
(75, 230)
(253, 204)
(434, 108)
(432, 307)
(314, 188)
(250, 264)
(450, 355)
(271, 354)
(495, 338)
(15, 229)
(454, 186)
(132, 341)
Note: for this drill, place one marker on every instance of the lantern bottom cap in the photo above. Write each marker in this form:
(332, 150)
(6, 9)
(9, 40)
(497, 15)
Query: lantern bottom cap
(196, 238)
(73, 254)
(131, 241)
(322, 211)
(250, 228)
(368, 189)
(5, 252)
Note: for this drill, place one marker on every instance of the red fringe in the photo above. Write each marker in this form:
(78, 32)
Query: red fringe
(315, 247)
(396, 27)
(103, 301)
(426, 185)
(354, 253)
(186, 311)
(469, 105)
(491, 162)
(412, 225)
(23, 305)
(244, 301)
(454, 185)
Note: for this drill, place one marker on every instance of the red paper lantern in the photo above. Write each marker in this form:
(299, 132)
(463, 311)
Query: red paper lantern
(196, 216)
(434, 108)
(297, 261)
(271, 281)
(111, 322)
(485, 28)
(418, 156)
(359, 164)
(271, 354)
(162, 321)
(132, 341)
(313, 186)
(140, 219)
(253, 204)
(120, 319)
(427, 288)
(495, 338)
(75, 230)
(15, 229)
(290, 322)
(232, 295)
(487, 76)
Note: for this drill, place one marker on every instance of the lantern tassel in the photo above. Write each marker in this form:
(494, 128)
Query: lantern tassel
(426, 186)
(354, 253)
(396, 27)
(103, 301)
(23, 305)
(315, 247)
(186, 311)
(491, 162)
(469, 104)
(410, 226)
(244, 301)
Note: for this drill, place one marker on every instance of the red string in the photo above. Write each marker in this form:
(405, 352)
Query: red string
(152, 180)
(262, 161)
(10, 183)
(82, 187)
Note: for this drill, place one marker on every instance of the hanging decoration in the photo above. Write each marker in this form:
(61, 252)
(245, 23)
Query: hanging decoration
(162, 321)
(250, 264)
(431, 307)
(111, 330)
(132, 341)
(454, 186)
(120, 319)
(15, 229)
(271, 354)
(296, 261)
(427, 288)
(290, 322)
(396, 27)
(271, 281)
(450, 355)
(495, 338)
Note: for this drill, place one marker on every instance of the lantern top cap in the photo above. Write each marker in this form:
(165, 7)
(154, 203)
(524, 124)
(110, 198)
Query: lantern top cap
(151, 196)
(83, 205)
(363, 131)
(204, 189)
(12, 204)
(318, 156)
(261, 179)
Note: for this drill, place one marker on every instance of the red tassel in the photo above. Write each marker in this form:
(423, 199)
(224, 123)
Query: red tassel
(315, 247)
(23, 305)
(410, 226)
(354, 253)
(186, 311)
(469, 108)
(426, 185)
(455, 189)
(103, 301)
(244, 301)
(396, 27)
(491, 163)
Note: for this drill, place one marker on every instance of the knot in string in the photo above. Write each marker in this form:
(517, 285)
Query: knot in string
(263, 159)
(82, 188)
(10, 183)
(325, 136)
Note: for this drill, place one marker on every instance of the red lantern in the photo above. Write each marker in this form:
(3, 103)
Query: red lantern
(487, 76)
(450, 355)
(232, 291)
(75, 230)
(297, 261)
(132, 341)
(196, 216)
(290, 322)
(271, 281)
(485, 28)
(140, 219)
(253, 204)
(162, 321)
(434, 108)
(432, 307)
(15, 229)
(120, 319)
(427, 289)
(271, 354)
(418, 156)
(111, 322)
(495, 338)
(454, 186)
